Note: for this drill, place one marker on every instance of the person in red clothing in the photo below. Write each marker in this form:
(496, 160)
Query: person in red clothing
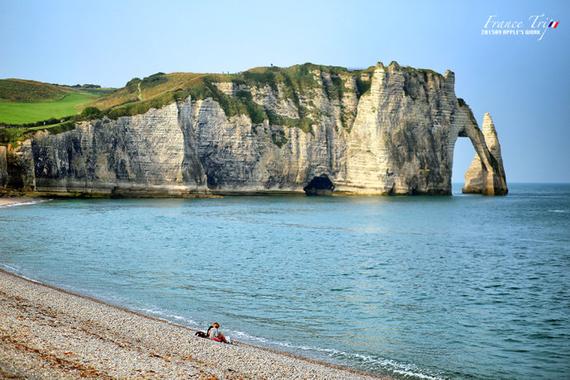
(214, 333)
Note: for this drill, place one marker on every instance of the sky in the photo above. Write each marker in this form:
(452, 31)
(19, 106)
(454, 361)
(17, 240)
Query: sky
(522, 81)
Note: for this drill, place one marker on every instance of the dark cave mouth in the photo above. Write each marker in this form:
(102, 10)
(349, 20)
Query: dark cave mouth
(319, 185)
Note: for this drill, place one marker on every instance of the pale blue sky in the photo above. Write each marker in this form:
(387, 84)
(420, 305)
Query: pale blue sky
(523, 82)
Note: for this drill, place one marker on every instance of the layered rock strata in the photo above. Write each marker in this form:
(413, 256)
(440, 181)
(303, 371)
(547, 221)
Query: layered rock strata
(394, 136)
(482, 177)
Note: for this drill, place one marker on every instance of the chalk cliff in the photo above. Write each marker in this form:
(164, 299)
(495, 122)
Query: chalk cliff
(386, 130)
(478, 178)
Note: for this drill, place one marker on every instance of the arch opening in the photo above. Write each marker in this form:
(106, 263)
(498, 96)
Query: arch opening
(463, 154)
(319, 185)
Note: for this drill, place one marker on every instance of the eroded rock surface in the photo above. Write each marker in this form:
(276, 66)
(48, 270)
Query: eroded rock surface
(394, 137)
(487, 175)
(3, 167)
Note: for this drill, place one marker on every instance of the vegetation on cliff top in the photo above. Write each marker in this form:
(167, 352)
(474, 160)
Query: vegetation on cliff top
(23, 101)
(24, 112)
(19, 90)
(295, 82)
(42, 105)
(14, 134)
(34, 106)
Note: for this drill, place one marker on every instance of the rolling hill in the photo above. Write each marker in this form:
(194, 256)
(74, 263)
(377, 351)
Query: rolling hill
(26, 101)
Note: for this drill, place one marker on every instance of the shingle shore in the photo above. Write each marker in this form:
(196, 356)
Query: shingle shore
(48, 333)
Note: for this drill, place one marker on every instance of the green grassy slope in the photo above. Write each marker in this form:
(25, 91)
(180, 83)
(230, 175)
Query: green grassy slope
(14, 134)
(20, 90)
(23, 112)
(23, 101)
(27, 102)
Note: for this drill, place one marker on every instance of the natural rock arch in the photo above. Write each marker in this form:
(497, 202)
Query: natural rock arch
(486, 174)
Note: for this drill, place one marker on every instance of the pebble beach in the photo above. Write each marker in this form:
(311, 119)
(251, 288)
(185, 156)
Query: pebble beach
(49, 333)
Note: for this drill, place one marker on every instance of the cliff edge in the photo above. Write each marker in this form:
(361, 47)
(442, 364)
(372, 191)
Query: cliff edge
(381, 130)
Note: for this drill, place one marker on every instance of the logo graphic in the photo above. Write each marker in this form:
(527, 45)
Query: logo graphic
(553, 24)
(535, 25)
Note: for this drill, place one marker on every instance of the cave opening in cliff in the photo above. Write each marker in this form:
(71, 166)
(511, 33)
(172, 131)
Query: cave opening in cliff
(319, 185)
(463, 154)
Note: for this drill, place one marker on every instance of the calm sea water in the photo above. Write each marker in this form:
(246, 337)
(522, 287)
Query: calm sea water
(418, 287)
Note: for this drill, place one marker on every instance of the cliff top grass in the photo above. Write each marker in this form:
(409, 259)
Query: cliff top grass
(15, 134)
(23, 101)
(39, 105)
(160, 89)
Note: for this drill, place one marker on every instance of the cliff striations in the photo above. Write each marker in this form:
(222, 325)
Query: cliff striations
(478, 178)
(383, 130)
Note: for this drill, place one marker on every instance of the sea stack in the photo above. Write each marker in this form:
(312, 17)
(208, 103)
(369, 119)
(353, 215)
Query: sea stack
(487, 179)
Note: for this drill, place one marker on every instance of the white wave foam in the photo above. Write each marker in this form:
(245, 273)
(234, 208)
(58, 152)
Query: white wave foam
(400, 368)
(26, 203)
(17, 272)
(168, 317)
(558, 211)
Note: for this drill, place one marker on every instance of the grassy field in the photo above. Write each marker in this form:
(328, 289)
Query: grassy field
(11, 135)
(26, 112)
(26, 101)
(22, 90)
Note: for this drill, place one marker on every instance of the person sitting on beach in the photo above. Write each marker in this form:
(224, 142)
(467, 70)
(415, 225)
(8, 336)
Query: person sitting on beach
(215, 334)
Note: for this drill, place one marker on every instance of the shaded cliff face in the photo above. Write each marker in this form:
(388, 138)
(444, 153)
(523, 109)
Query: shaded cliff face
(390, 130)
(3, 167)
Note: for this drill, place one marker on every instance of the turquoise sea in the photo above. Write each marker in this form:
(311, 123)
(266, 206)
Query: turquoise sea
(465, 287)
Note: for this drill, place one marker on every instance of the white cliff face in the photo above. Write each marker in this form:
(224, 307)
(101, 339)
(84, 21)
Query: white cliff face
(481, 178)
(395, 138)
(139, 155)
(400, 138)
